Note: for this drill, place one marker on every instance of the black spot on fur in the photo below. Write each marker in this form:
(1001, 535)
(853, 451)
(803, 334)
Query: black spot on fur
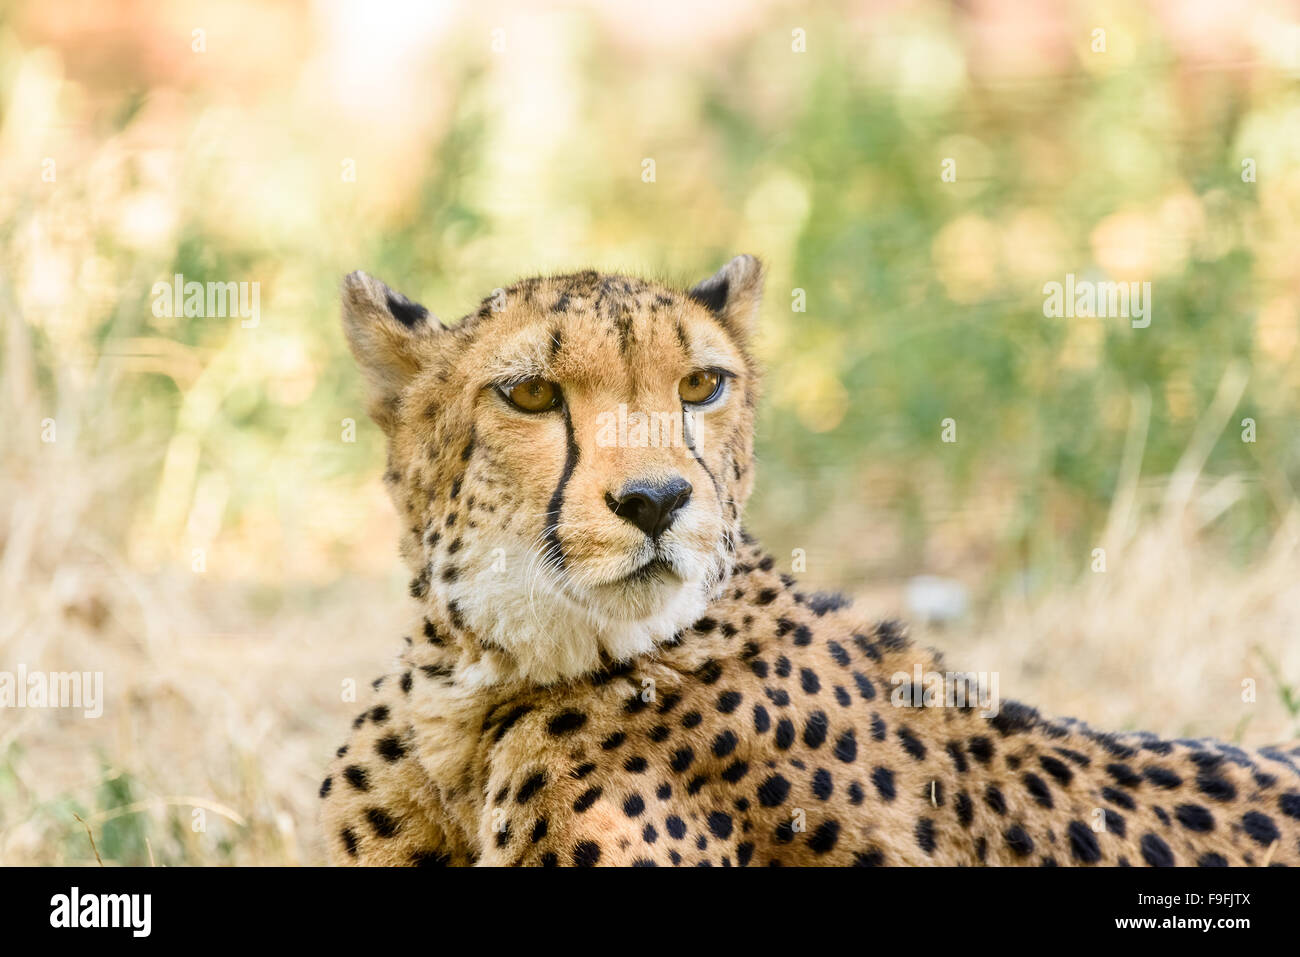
(925, 835)
(1114, 822)
(1082, 760)
(824, 838)
(911, 743)
(1015, 718)
(865, 687)
(1289, 804)
(1212, 785)
(509, 720)
(357, 777)
(1056, 769)
(735, 771)
(682, 759)
(349, 838)
(883, 779)
(994, 799)
(823, 601)
(1162, 777)
(965, 809)
(958, 757)
(709, 672)
(814, 729)
(1020, 843)
(1194, 817)
(719, 825)
(1156, 852)
(390, 748)
(846, 747)
(981, 748)
(430, 859)
(566, 722)
(381, 822)
(530, 787)
(1038, 789)
(586, 854)
(1260, 827)
(1083, 843)
(878, 728)
(822, 784)
(1118, 797)
(1123, 775)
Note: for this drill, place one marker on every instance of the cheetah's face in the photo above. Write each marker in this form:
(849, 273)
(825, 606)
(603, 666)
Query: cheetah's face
(571, 460)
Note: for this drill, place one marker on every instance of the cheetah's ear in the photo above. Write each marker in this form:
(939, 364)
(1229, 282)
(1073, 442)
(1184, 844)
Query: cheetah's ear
(388, 335)
(733, 294)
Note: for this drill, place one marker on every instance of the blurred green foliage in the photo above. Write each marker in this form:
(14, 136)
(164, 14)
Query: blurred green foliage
(924, 296)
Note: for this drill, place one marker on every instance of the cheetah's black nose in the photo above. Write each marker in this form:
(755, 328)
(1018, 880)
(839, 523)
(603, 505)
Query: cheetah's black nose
(650, 508)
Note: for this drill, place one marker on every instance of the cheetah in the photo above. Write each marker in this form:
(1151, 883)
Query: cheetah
(605, 669)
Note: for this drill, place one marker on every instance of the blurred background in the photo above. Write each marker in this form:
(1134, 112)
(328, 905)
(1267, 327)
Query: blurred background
(184, 508)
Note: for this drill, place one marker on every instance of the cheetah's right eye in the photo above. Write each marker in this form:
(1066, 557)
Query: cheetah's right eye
(532, 395)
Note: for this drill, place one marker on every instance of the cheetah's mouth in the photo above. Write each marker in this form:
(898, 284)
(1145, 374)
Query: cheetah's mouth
(651, 582)
(657, 569)
(657, 574)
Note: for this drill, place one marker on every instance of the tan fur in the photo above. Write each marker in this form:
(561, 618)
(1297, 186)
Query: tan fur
(543, 713)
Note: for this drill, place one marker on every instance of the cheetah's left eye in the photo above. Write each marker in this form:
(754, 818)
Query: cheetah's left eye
(700, 386)
(532, 395)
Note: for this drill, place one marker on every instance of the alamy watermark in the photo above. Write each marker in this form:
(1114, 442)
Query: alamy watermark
(946, 689)
(212, 300)
(1098, 299)
(640, 430)
(53, 689)
(133, 912)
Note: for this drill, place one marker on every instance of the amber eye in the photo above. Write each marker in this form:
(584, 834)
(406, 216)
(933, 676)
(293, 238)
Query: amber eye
(533, 395)
(700, 386)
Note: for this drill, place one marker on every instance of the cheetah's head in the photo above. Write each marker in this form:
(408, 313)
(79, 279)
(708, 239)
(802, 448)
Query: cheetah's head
(570, 462)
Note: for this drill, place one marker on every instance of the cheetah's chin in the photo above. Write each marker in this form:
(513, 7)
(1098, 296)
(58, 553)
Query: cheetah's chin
(558, 630)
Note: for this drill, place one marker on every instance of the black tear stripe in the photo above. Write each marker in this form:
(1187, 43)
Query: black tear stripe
(690, 444)
(554, 550)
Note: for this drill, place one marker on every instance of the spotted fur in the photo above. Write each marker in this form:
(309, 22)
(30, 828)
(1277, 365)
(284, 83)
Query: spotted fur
(554, 706)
